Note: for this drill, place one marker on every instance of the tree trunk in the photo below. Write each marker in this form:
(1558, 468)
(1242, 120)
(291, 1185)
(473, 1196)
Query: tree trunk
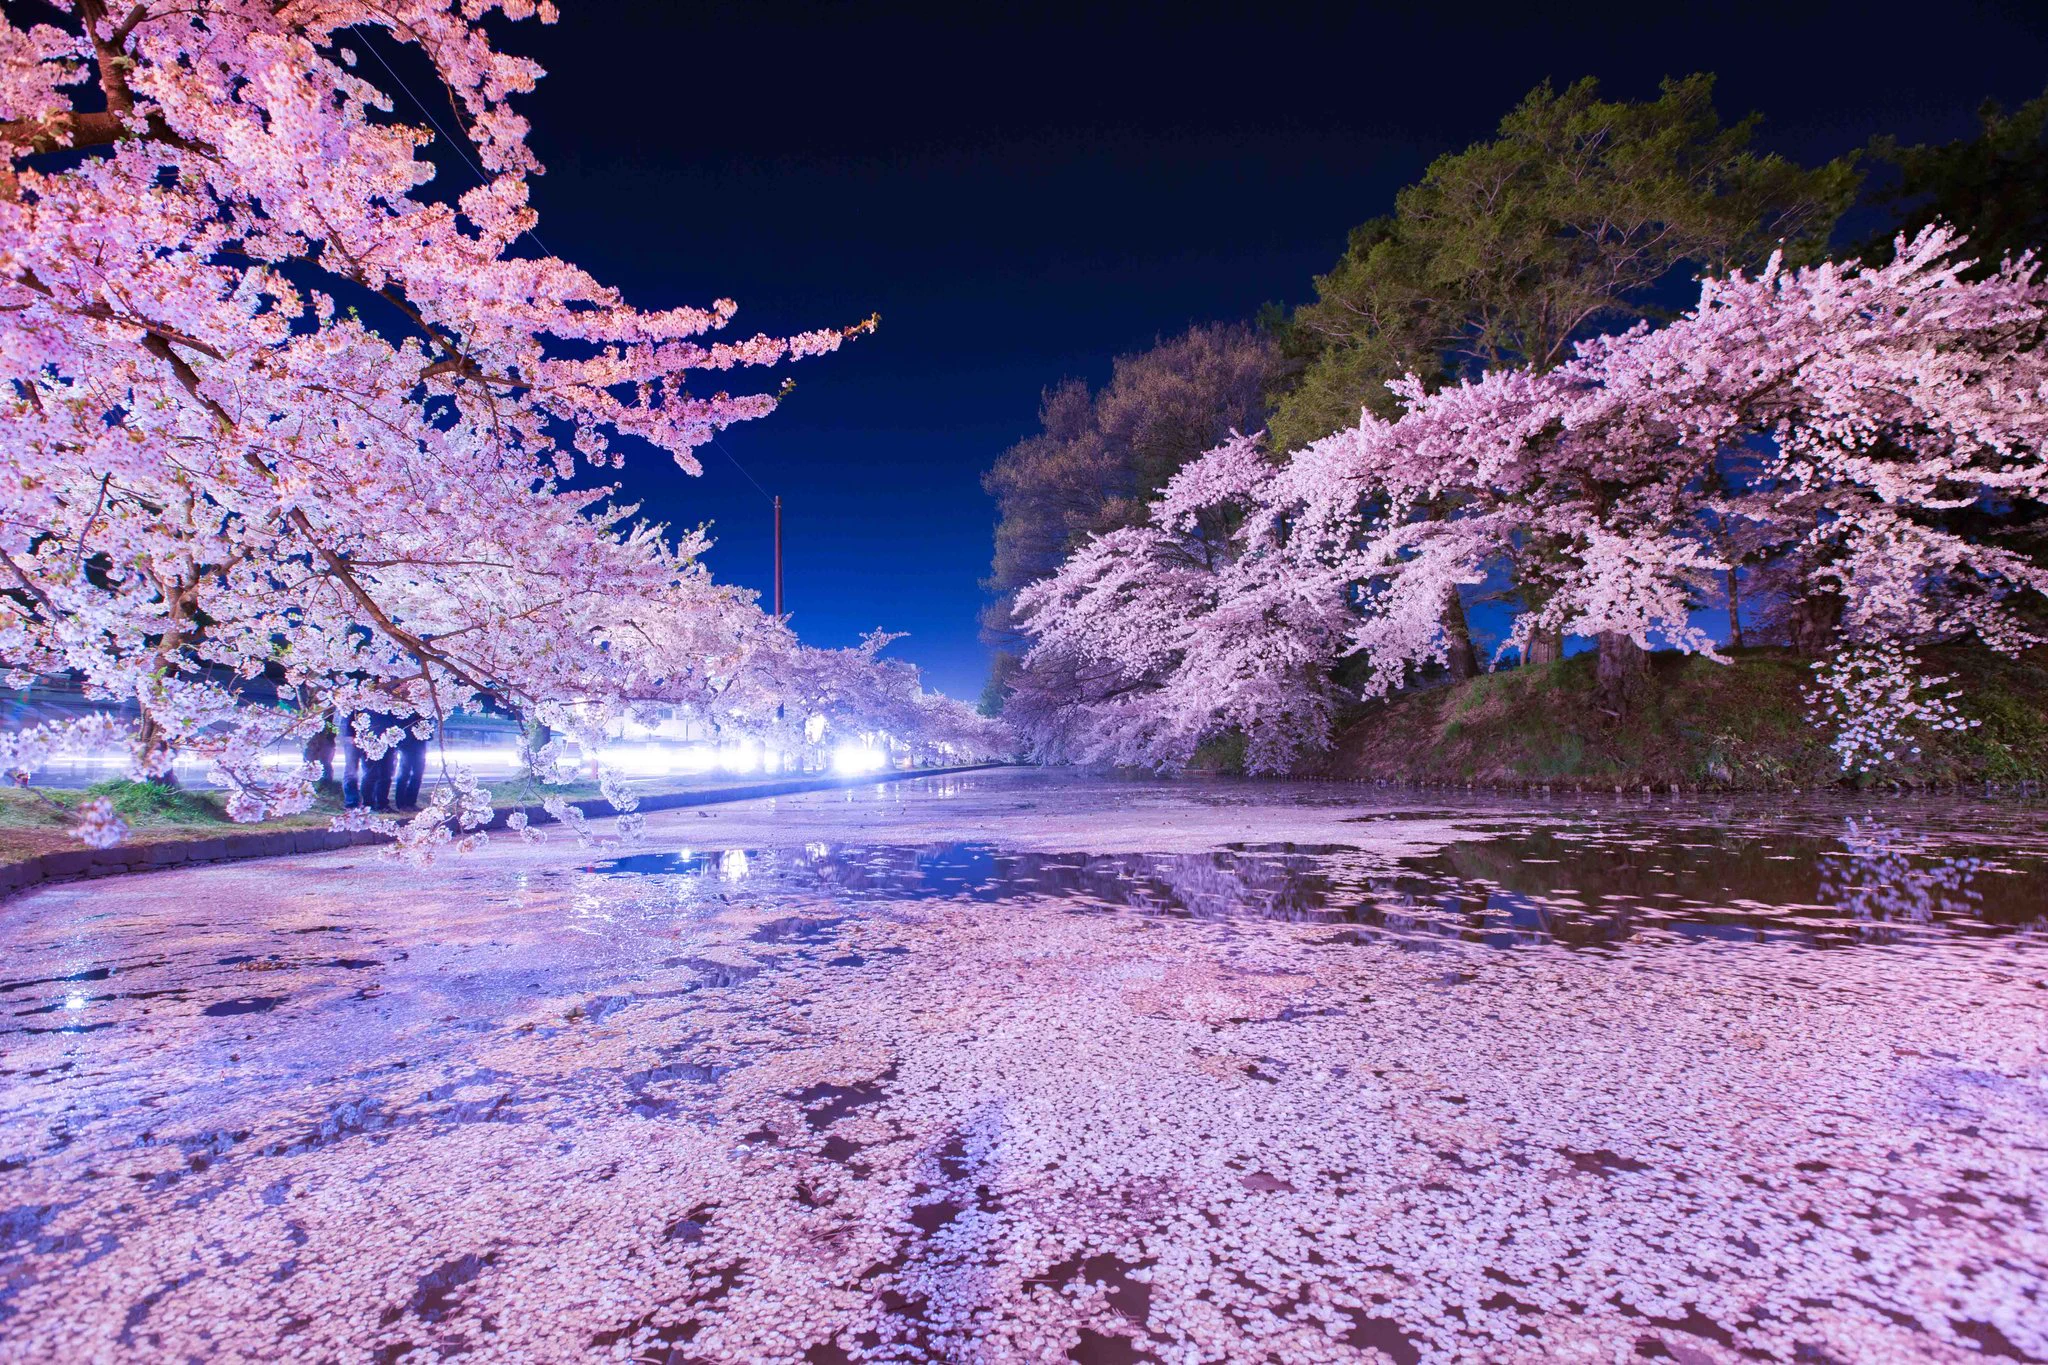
(149, 746)
(532, 740)
(1814, 622)
(1621, 666)
(1734, 610)
(1459, 654)
(1545, 647)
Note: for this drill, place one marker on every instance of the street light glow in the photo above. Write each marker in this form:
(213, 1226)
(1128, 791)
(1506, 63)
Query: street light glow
(852, 759)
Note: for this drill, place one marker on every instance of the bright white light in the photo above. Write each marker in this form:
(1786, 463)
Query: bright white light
(477, 758)
(639, 760)
(697, 758)
(857, 758)
(639, 752)
(732, 865)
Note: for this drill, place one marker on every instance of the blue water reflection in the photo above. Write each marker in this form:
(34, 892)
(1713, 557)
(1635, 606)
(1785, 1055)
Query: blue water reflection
(1582, 882)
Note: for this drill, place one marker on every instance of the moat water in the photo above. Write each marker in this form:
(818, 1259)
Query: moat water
(1030, 1066)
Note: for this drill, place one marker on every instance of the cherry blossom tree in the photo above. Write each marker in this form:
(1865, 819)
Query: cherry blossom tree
(280, 414)
(1151, 640)
(807, 702)
(1861, 433)
(1834, 416)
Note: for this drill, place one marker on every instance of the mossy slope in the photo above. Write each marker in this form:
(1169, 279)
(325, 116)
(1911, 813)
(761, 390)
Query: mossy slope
(1699, 724)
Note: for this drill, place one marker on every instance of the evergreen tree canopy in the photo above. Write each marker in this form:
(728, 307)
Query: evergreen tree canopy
(1573, 220)
(1099, 458)
(1993, 186)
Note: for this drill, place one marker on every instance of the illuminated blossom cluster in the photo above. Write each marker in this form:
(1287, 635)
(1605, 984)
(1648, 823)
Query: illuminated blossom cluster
(1151, 640)
(31, 747)
(98, 824)
(290, 432)
(1841, 435)
(1878, 703)
(805, 702)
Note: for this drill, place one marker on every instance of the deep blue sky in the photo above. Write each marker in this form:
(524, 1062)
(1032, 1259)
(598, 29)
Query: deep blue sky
(1023, 192)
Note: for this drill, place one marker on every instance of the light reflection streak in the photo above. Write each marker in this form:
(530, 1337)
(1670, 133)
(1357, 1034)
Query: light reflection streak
(652, 758)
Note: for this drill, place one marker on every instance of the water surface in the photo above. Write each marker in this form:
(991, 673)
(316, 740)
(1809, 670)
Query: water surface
(1020, 1066)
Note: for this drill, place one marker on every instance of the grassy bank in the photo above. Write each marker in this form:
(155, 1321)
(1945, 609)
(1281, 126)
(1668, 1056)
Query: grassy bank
(40, 821)
(1701, 725)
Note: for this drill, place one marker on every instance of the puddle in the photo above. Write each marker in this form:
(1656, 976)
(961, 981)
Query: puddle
(255, 1004)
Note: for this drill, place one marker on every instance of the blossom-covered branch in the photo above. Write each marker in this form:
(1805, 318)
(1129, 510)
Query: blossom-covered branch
(1859, 436)
(280, 416)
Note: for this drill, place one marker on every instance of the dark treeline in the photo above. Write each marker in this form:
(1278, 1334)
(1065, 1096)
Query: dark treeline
(1582, 215)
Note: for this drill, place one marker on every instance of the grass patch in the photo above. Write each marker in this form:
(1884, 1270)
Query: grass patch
(157, 803)
(40, 820)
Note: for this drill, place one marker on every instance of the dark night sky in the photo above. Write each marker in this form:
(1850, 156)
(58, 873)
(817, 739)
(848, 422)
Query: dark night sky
(1022, 192)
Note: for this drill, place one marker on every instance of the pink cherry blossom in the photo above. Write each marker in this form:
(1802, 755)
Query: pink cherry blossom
(1818, 426)
(286, 415)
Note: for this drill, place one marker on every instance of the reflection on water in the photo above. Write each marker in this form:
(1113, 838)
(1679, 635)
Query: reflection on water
(862, 1081)
(1576, 883)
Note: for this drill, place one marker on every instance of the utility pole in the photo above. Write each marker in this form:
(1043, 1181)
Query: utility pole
(778, 554)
